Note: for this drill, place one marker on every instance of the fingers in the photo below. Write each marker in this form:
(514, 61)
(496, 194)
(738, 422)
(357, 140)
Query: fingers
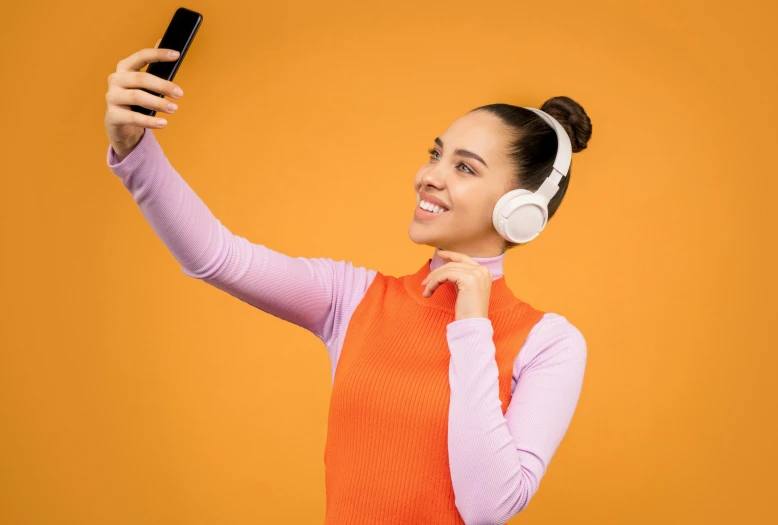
(433, 281)
(440, 273)
(456, 256)
(451, 265)
(129, 97)
(126, 88)
(454, 271)
(468, 265)
(137, 60)
(141, 79)
(128, 74)
(120, 116)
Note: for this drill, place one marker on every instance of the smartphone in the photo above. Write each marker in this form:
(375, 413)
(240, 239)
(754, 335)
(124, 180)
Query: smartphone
(179, 35)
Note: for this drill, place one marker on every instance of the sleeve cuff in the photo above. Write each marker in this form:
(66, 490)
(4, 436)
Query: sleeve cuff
(146, 147)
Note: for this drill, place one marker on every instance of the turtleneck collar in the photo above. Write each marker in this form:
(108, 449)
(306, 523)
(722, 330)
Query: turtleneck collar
(493, 263)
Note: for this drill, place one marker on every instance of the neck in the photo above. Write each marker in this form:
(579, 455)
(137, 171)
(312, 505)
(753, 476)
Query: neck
(493, 263)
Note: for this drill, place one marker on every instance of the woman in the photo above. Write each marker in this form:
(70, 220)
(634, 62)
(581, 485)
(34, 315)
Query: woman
(450, 395)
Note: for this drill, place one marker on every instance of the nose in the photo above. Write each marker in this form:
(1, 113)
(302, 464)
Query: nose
(432, 178)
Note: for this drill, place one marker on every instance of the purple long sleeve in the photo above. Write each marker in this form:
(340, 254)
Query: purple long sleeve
(496, 461)
(316, 294)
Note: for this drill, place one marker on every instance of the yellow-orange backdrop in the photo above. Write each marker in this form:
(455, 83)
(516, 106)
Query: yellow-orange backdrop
(130, 393)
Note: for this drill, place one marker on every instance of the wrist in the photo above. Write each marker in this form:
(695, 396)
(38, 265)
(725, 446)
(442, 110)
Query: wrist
(124, 148)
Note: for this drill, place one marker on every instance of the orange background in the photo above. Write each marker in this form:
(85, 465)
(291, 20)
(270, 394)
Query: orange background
(130, 393)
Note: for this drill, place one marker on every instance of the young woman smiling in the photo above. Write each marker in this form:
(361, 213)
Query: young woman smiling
(450, 395)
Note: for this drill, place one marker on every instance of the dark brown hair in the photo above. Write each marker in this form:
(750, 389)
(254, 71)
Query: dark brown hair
(533, 143)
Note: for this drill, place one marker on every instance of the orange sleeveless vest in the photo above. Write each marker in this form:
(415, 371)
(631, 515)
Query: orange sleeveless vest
(386, 455)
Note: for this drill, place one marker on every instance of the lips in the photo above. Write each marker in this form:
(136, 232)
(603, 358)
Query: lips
(422, 214)
(434, 200)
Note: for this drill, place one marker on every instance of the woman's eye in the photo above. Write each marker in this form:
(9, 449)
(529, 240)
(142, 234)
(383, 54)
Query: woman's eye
(434, 155)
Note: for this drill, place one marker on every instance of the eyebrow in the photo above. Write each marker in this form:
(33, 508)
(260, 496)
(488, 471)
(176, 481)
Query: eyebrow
(463, 152)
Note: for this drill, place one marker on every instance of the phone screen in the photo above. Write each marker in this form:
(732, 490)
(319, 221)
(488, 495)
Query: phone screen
(178, 35)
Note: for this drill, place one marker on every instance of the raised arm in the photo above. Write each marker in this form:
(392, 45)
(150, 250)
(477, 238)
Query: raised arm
(312, 293)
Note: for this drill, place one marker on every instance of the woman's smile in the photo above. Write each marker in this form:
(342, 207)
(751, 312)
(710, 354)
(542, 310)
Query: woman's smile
(423, 214)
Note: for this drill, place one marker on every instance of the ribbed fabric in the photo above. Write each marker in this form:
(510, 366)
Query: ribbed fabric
(386, 455)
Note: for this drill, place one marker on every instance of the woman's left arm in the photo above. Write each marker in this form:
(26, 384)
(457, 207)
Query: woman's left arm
(497, 460)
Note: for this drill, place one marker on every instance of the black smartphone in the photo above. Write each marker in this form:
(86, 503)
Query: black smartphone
(178, 35)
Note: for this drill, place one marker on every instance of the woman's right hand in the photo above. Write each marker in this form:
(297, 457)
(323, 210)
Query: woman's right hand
(124, 126)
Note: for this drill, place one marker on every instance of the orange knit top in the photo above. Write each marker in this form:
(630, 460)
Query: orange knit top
(386, 455)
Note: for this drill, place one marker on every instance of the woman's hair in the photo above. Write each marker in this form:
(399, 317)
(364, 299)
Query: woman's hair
(533, 143)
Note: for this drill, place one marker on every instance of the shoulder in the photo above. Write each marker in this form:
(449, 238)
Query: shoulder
(553, 339)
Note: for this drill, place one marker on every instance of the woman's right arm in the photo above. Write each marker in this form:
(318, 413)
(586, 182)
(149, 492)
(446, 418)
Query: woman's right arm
(311, 293)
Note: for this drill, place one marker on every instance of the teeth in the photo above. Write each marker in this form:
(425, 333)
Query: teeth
(431, 207)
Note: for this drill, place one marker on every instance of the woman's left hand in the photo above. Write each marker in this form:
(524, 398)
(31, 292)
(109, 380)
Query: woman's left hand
(473, 282)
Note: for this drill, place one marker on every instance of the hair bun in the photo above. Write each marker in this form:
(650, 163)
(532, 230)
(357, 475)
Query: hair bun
(572, 117)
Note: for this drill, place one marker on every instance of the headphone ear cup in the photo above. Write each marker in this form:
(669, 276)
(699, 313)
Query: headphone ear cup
(519, 216)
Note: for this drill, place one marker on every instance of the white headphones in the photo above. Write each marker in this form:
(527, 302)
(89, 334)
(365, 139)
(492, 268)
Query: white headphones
(520, 215)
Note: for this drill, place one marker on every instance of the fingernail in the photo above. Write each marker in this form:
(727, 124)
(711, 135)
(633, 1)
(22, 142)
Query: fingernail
(171, 106)
(178, 92)
(173, 53)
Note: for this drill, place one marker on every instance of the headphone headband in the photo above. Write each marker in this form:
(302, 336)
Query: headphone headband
(564, 155)
(520, 215)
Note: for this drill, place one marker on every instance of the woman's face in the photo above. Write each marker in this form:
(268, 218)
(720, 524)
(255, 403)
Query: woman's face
(468, 186)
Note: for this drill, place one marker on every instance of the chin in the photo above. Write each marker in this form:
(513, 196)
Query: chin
(419, 237)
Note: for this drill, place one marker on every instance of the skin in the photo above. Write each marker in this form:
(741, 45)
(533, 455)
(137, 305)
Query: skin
(124, 126)
(469, 188)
